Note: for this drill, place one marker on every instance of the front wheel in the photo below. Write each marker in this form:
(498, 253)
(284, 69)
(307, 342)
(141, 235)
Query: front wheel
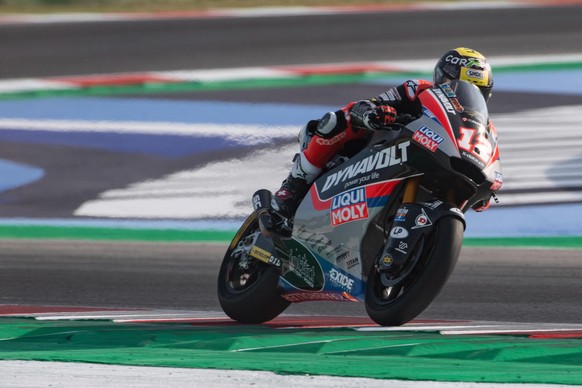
(248, 289)
(436, 256)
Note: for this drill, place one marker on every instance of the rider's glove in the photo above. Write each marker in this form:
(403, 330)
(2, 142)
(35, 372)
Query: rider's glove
(379, 117)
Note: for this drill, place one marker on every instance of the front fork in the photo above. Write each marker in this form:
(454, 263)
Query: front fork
(411, 189)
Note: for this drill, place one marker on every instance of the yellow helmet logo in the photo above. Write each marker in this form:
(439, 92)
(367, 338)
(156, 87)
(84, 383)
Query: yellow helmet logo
(467, 52)
(475, 76)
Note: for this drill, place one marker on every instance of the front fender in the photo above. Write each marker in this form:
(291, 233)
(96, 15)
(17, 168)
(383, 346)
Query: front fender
(411, 222)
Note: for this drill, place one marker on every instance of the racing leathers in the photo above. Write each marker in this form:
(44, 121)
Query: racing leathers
(344, 131)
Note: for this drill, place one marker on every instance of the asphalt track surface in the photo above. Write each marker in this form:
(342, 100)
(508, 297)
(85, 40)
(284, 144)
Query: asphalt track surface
(488, 284)
(513, 285)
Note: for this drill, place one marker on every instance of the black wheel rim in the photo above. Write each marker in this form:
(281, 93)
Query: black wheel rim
(242, 270)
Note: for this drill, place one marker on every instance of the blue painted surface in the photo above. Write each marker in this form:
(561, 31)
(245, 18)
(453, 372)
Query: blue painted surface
(220, 225)
(157, 110)
(14, 174)
(526, 221)
(559, 81)
(169, 146)
(543, 81)
(137, 110)
(147, 110)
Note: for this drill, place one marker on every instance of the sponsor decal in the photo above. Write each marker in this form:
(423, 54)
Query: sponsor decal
(342, 257)
(448, 90)
(427, 138)
(264, 256)
(434, 204)
(360, 181)
(318, 242)
(399, 232)
(457, 105)
(477, 74)
(428, 113)
(402, 247)
(422, 220)
(302, 266)
(472, 121)
(401, 214)
(444, 100)
(260, 254)
(310, 296)
(387, 260)
(498, 181)
(349, 206)
(304, 271)
(351, 263)
(339, 279)
(284, 194)
(411, 90)
(466, 62)
(390, 156)
(256, 202)
(333, 140)
(474, 159)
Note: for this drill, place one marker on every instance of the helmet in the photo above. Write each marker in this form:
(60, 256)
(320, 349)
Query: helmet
(465, 64)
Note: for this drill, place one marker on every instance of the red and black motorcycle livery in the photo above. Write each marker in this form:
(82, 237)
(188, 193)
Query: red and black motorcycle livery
(384, 227)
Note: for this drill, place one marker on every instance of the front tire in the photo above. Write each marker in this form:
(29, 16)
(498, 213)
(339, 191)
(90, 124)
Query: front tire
(437, 257)
(248, 289)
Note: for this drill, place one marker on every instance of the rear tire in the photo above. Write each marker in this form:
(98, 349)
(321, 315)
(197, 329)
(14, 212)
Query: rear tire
(403, 302)
(248, 289)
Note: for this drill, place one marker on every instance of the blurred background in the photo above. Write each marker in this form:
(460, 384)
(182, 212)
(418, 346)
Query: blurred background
(160, 115)
(117, 116)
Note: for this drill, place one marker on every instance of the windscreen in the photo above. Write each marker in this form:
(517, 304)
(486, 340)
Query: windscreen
(469, 98)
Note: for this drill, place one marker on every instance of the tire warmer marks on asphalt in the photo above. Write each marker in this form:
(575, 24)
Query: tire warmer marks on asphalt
(326, 345)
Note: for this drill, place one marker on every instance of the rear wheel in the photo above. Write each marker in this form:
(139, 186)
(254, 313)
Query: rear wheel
(433, 260)
(248, 289)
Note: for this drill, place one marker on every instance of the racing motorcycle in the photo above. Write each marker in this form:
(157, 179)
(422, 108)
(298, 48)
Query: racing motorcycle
(385, 227)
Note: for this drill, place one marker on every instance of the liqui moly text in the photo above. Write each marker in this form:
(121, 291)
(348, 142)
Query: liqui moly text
(427, 138)
(349, 206)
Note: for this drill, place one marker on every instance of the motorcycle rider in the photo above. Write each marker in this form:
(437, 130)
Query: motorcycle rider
(345, 130)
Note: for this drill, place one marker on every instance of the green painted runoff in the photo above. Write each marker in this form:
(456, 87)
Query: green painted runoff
(335, 352)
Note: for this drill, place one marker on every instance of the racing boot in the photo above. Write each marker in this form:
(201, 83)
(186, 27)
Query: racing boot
(287, 199)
